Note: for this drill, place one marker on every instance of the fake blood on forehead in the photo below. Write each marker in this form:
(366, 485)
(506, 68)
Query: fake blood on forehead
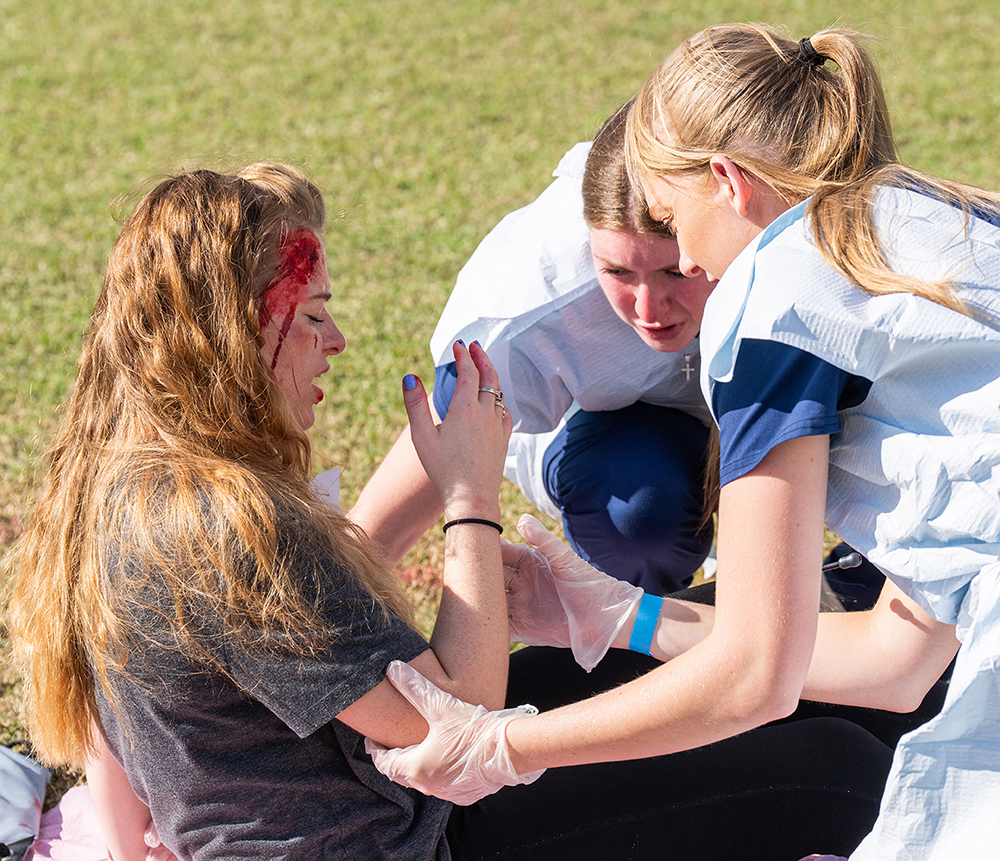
(300, 254)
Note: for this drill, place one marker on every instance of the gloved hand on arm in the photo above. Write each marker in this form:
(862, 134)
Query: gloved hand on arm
(464, 757)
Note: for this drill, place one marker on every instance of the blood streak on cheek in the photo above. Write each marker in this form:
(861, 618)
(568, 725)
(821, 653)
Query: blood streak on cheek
(300, 254)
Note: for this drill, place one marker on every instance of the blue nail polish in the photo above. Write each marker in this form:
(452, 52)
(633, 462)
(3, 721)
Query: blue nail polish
(460, 341)
(409, 382)
(478, 344)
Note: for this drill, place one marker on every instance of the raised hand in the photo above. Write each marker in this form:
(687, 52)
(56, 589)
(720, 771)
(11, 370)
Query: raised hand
(464, 455)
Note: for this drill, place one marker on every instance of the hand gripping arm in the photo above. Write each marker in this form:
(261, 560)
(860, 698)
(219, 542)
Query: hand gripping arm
(464, 757)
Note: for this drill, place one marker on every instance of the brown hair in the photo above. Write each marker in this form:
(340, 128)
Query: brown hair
(609, 202)
(178, 460)
(750, 93)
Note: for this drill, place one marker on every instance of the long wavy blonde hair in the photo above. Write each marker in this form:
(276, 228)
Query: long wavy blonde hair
(748, 92)
(178, 458)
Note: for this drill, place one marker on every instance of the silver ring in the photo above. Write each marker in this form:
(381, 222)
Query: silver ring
(497, 395)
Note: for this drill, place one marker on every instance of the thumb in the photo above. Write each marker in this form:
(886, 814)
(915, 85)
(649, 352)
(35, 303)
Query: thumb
(151, 837)
(421, 693)
(534, 532)
(513, 555)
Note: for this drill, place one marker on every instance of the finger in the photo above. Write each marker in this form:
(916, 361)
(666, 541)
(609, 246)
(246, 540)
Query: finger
(390, 762)
(151, 836)
(535, 533)
(511, 554)
(474, 372)
(465, 367)
(512, 558)
(489, 378)
(421, 693)
(487, 373)
(417, 407)
(372, 747)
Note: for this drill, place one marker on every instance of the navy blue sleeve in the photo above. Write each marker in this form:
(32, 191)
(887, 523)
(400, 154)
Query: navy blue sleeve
(445, 379)
(777, 393)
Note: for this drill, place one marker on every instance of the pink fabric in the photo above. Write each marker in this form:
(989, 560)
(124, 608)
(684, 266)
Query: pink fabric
(70, 831)
(824, 858)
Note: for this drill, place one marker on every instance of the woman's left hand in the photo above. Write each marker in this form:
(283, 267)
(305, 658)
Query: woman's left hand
(464, 757)
(464, 454)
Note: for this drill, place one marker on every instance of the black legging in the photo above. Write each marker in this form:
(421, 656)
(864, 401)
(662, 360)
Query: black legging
(806, 784)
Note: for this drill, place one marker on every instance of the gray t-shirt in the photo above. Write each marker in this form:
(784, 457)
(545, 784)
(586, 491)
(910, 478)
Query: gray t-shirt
(262, 769)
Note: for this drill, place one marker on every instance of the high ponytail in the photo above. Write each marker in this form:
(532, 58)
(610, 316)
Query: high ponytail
(806, 117)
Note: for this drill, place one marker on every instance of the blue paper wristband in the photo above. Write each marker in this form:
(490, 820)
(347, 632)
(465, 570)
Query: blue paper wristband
(645, 623)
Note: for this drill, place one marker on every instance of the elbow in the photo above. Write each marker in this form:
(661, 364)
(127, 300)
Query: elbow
(777, 704)
(762, 683)
(905, 684)
(763, 697)
(903, 696)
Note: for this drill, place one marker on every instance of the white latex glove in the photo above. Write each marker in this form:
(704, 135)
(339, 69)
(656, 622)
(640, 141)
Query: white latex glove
(568, 603)
(535, 613)
(157, 851)
(464, 757)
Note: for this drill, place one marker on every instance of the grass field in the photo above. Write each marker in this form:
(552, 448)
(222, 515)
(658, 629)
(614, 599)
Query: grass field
(422, 123)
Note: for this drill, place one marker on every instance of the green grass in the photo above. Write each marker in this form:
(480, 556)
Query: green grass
(422, 123)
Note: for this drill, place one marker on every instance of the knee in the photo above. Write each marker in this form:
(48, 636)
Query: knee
(629, 486)
(644, 465)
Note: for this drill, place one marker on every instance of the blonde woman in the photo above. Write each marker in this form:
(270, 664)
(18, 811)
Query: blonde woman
(851, 357)
(192, 621)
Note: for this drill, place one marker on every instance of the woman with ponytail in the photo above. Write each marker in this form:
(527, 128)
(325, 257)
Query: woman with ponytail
(851, 359)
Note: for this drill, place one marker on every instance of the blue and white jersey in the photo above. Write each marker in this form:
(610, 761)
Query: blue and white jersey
(915, 466)
(914, 479)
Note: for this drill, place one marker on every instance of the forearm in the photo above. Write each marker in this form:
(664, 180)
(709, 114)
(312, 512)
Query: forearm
(469, 648)
(888, 657)
(122, 816)
(400, 502)
(701, 697)
(470, 636)
(680, 626)
(737, 666)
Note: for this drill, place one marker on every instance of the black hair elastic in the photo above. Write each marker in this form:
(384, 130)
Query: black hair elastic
(810, 54)
(461, 520)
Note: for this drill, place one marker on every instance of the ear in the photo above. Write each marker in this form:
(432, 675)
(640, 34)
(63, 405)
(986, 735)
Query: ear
(731, 184)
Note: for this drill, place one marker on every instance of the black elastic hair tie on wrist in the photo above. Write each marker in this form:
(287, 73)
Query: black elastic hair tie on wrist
(451, 523)
(810, 54)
